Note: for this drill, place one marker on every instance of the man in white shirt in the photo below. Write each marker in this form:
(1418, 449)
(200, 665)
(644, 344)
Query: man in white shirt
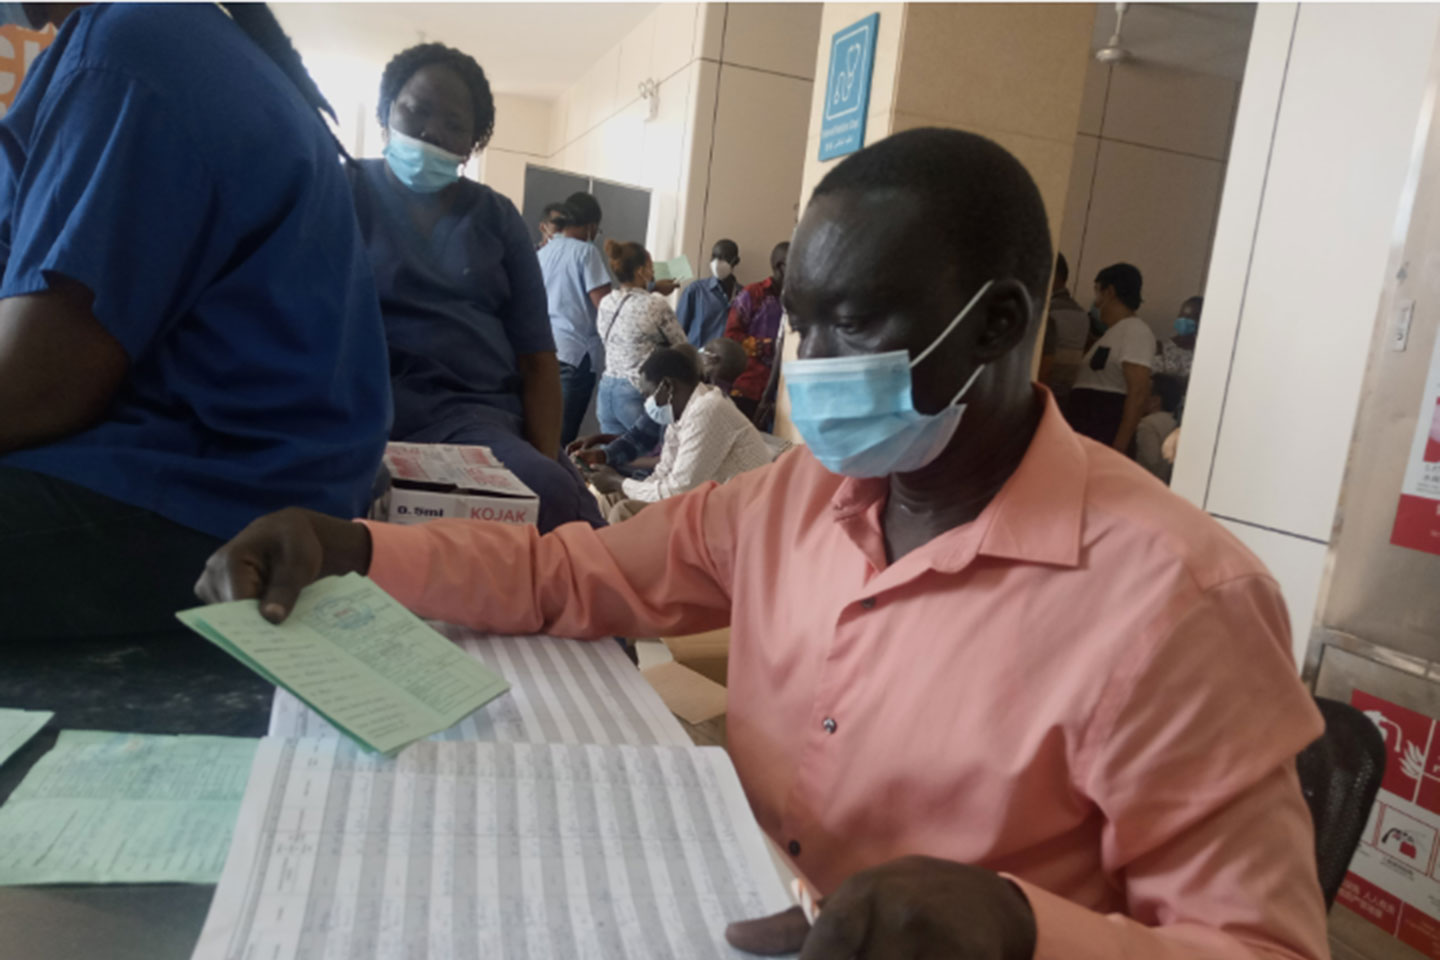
(707, 437)
(1113, 385)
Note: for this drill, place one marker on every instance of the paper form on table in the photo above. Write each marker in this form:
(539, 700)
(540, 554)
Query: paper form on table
(508, 851)
(561, 691)
(18, 726)
(353, 653)
(125, 808)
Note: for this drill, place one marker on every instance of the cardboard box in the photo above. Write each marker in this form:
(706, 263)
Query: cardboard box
(706, 653)
(431, 481)
(698, 702)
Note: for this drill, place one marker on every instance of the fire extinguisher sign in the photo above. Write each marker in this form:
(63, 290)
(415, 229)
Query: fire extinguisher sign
(1394, 880)
(1417, 518)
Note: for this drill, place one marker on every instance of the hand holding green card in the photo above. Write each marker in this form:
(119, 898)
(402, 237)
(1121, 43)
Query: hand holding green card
(360, 659)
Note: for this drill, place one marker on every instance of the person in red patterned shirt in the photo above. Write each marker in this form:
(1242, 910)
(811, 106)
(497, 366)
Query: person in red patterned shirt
(754, 323)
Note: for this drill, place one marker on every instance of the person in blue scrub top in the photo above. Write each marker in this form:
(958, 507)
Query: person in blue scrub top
(576, 280)
(189, 333)
(705, 305)
(472, 358)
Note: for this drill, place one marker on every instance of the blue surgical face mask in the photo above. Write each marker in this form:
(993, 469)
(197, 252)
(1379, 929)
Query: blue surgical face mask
(421, 166)
(662, 415)
(1186, 326)
(857, 414)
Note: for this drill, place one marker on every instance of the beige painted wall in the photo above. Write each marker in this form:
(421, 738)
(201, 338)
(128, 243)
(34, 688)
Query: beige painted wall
(522, 135)
(1012, 72)
(1150, 157)
(723, 157)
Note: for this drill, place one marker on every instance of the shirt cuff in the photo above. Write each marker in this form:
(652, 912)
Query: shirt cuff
(1064, 930)
(399, 560)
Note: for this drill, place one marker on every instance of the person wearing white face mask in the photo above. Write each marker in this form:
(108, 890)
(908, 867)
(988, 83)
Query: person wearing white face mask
(472, 355)
(707, 438)
(705, 304)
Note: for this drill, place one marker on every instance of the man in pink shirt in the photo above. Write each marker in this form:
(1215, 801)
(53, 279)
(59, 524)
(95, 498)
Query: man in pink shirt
(998, 693)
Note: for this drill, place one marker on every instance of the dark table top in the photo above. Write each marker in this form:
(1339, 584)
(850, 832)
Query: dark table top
(172, 684)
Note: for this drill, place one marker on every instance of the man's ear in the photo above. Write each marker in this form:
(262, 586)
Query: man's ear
(1009, 313)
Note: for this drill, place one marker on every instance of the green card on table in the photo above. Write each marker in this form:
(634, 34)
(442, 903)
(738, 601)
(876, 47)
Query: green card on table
(358, 658)
(125, 808)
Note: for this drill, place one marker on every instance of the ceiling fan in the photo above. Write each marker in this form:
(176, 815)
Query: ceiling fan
(1113, 51)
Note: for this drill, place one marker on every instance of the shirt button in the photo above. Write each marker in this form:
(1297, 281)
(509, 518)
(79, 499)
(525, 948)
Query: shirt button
(829, 724)
(794, 848)
(868, 603)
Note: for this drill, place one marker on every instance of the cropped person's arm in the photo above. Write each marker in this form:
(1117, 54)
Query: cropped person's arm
(543, 400)
(1190, 760)
(59, 367)
(667, 574)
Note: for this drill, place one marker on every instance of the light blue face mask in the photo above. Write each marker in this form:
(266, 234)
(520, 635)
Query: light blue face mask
(857, 414)
(421, 166)
(1186, 326)
(662, 415)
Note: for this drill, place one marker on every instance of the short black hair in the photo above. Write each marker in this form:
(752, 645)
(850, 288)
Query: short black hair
(407, 63)
(1062, 269)
(781, 249)
(1170, 391)
(1126, 280)
(732, 248)
(990, 216)
(580, 210)
(669, 363)
(551, 209)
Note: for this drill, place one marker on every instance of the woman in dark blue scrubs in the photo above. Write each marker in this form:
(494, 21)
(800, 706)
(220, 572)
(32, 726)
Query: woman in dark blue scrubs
(189, 335)
(472, 358)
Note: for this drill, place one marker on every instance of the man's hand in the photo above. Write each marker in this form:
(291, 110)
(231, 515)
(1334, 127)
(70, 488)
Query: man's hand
(666, 287)
(594, 457)
(585, 443)
(279, 555)
(606, 480)
(912, 907)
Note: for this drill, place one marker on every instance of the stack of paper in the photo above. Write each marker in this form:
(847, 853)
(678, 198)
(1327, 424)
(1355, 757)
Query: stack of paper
(18, 726)
(125, 808)
(349, 650)
(506, 851)
(562, 691)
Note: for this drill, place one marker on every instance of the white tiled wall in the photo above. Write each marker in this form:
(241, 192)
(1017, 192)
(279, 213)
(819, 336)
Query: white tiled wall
(1324, 137)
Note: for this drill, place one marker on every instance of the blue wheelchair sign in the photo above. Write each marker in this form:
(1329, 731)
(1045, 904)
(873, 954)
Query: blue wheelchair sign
(847, 94)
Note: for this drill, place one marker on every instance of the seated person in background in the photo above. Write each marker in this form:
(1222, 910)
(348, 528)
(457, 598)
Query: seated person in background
(472, 358)
(632, 453)
(632, 324)
(991, 712)
(179, 352)
(1157, 424)
(1113, 385)
(1067, 328)
(705, 304)
(707, 438)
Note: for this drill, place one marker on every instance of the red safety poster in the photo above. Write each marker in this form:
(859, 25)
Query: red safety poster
(1417, 519)
(1394, 880)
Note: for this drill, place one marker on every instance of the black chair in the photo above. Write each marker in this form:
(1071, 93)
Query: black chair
(1340, 774)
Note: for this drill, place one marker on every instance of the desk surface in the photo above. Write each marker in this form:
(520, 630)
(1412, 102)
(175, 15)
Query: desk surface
(177, 685)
